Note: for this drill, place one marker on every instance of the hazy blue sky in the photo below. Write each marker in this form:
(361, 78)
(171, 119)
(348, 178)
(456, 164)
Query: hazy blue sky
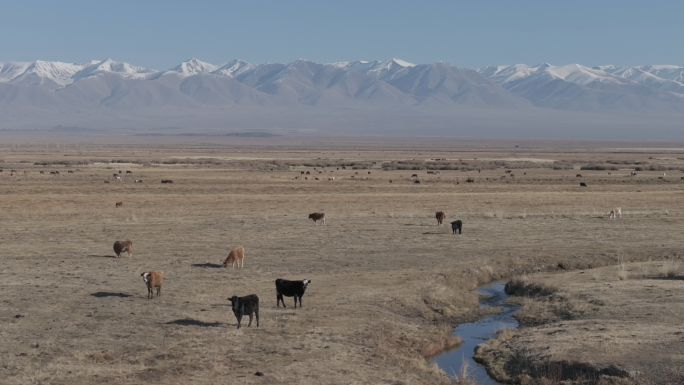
(161, 34)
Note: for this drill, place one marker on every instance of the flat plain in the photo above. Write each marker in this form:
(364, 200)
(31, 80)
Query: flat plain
(388, 284)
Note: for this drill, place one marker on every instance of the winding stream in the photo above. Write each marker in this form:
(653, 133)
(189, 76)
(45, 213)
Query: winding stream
(475, 333)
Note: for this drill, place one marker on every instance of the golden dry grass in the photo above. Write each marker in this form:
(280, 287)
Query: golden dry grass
(387, 283)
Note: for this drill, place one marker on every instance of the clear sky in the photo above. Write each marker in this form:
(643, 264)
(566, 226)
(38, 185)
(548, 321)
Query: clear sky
(471, 34)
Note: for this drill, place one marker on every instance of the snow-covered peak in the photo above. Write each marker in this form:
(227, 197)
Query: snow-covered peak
(110, 66)
(193, 67)
(11, 70)
(234, 68)
(505, 74)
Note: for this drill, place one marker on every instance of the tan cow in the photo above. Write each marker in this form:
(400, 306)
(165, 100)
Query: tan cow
(235, 256)
(121, 246)
(317, 217)
(440, 215)
(615, 213)
(153, 279)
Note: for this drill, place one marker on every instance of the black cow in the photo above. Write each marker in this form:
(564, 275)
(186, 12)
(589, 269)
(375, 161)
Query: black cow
(457, 225)
(416, 182)
(290, 289)
(129, 172)
(245, 306)
(582, 184)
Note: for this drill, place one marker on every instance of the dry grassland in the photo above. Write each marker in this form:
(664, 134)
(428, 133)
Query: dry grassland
(387, 283)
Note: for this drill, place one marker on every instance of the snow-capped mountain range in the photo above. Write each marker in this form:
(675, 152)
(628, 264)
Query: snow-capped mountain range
(115, 88)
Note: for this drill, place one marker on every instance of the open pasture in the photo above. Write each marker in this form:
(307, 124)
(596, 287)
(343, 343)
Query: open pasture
(387, 285)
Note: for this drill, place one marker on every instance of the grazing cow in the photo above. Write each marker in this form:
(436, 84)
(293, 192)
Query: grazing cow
(13, 170)
(290, 289)
(578, 176)
(316, 178)
(582, 184)
(414, 176)
(52, 173)
(153, 279)
(129, 172)
(503, 177)
(118, 178)
(246, 305)
(308, 173)
(416, 182)
(235, 256)
(137, 181)
(57, 172)
(509, 171)
(121, 246)
(368, 172)
(391, 179)
(115, 175)
(683, 178)
(457, 226)
(301, 172)
(660, 177)
(119, 204)
(440, 215)
(615, 213)
(633, 173)
(344, 168)
(470, 180)
(106, 181)
(610, 174)
(119, 171)
(317, 217)
(40, 172)
(306, 178)
(70, 172)
(356, 173)
(430, 172)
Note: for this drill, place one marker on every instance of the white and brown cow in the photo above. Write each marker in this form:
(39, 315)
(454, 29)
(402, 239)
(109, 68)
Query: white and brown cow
(153, 279)
(615, 213)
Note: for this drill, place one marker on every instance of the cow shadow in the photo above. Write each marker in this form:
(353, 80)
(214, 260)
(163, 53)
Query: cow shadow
(102, 294)
(102, 256)
(206, 265)
(661, 278)
(193, 322)
(431, 233)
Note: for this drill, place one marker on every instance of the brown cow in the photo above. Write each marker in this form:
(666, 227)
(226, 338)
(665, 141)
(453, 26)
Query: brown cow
(578, 176)
(235, 256)
(106, 181)
(42, 172)
(119, 204)
(440, 215)
(70, 172)
(121, 246)
(317, 217)
(153, 279)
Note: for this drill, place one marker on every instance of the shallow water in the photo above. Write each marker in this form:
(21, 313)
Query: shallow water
(475, 333)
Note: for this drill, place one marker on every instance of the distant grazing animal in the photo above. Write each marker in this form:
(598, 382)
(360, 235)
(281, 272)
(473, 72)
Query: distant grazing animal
(331, 178)
(414, 176)
(416, 182)
(457, 225)
(306, 178)
(660, 177)
(246, 305)
(470, 180)
(13, 170)
(308, 173)
(57, 172)
(117, 178)
(26, 172)
(119, 171)
(683, 178)
(633, 173)
(391, 179)
(52, 173)
(235, 256)
(119, 204)
(582, 184)
(503, 177)
(509, 171)
(121, 246)
(317, 217)
(70, 172)
(430, 172)
(106, 181)
(344, 168)
(663, 174)
(153, 279)
(316, 178)
(610, 174)
(167, 181)
(301, 172)
(368, 172)
(290, 289)
(129, 172)
(615, 213)
(137, 181)
(356, 173)
(115, 175)
(440, 215)
(578, 176)
(40, 172)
